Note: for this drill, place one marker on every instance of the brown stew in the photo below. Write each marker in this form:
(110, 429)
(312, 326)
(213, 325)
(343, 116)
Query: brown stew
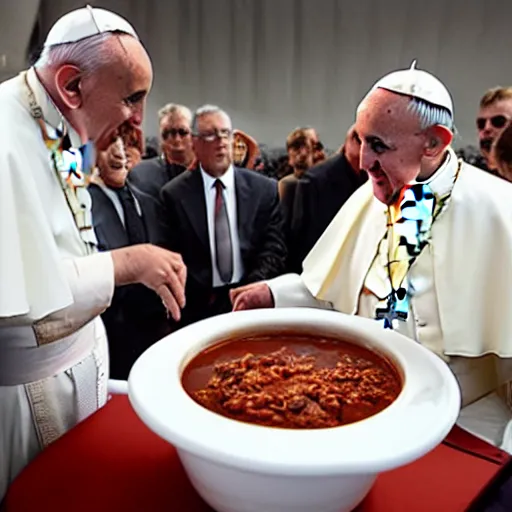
(292, 380)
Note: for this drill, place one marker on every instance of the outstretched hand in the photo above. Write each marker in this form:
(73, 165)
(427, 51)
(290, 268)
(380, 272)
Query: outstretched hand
(252, 296)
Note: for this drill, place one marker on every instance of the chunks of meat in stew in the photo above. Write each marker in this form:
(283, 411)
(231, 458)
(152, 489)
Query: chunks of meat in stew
(303, 383)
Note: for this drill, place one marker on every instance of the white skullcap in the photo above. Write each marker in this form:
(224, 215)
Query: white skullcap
(86, 22)
(418, 84)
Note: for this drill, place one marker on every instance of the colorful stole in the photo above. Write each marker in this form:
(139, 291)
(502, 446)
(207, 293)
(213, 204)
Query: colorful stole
(72, 167)
(410, 221)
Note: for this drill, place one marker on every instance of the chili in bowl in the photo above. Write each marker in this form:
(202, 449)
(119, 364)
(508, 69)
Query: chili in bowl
(294, 408)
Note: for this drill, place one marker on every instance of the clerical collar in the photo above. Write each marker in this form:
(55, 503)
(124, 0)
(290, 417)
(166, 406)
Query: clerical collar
(441, 182)
(51, 113)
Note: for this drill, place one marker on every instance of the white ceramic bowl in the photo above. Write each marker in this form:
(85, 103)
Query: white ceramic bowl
(239, 467)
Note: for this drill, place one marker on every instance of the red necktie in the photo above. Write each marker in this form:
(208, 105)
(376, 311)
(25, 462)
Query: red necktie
(223, 245)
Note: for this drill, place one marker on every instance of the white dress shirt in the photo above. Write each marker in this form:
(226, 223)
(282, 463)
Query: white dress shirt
(228, 180)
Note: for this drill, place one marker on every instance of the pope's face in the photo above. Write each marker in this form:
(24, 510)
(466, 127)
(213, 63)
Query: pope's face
(392, 143)
(115, 94)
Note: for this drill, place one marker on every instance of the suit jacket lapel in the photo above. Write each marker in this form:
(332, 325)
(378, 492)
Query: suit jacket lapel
(194, 205)
(244, 206)
(151, 215)
(109, 229)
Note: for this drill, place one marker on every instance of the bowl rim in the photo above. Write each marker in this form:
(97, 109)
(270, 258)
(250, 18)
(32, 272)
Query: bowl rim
(416, 422)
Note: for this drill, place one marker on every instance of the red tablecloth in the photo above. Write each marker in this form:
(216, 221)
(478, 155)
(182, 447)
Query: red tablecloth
(113, 462)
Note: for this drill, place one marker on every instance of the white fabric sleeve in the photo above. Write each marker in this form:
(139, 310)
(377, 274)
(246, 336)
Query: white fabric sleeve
(290, 291)
(91, 280)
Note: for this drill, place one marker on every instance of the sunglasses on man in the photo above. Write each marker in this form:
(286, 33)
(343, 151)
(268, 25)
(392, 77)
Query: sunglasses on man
(496, 122)
(173, 132)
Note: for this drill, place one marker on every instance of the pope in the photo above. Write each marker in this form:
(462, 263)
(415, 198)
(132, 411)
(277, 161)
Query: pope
(425, 248)
(92, 78)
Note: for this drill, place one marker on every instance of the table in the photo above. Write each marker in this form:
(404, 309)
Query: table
(113, 462)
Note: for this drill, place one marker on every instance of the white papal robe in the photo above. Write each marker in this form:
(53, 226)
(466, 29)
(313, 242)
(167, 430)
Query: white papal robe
(53, 349)
(460, 285)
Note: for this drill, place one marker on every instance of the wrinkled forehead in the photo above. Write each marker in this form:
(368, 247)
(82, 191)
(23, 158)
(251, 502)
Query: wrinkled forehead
(129, 68)
(213, 121)
(385, 114)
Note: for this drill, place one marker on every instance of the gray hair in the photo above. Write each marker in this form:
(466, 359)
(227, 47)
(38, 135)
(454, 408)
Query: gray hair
(430, 114)
(174, 108)
(203, 111)
(88, 54)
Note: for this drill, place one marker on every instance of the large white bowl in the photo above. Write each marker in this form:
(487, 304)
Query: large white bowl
(239, 467)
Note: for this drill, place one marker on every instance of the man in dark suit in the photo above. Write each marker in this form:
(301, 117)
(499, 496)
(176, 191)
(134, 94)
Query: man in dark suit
(226, 222)
(300, 148)
(319, 195)
(151, 175)
(123, 216)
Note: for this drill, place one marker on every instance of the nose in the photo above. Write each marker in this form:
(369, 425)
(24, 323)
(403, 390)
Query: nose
(137, 115)
(136, 119)
(366, 157)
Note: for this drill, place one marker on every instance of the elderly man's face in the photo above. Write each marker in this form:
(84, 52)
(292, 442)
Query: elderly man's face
(213, 143)
(112, 165)
(116, 93)
(392, 143)
(490, 122)
(176, 137)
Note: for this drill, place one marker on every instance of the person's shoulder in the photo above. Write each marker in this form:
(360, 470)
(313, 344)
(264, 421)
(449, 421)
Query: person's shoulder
(289, 178)
(255, 178)
(22, 143)
(325, 168)
(487, 192)
(181, 182)
(147, 165)
(15, 118)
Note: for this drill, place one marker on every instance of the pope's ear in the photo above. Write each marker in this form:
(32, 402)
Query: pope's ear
(67, 81)
(438, 138)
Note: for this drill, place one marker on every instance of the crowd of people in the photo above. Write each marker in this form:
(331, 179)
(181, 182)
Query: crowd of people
(108, 245)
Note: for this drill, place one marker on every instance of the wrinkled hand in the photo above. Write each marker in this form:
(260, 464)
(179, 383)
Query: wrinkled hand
(164, 272)
(252, 296)
(159, 269)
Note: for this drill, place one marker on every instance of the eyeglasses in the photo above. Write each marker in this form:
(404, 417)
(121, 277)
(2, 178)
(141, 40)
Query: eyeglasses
(496, 121)
(173, 132)
(224, 133)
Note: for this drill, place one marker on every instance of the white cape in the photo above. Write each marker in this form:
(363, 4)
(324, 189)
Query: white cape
(472, 255)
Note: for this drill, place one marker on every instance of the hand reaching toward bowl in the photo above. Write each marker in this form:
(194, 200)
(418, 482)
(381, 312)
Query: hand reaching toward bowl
(252, 296)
